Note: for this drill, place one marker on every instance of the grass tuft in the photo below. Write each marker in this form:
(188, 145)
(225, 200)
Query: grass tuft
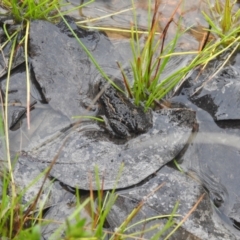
(24, 10)
(224, 18)
(150, 61)
(30, 9)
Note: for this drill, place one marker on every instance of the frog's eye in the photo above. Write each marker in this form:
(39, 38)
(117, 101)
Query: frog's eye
(100, 85)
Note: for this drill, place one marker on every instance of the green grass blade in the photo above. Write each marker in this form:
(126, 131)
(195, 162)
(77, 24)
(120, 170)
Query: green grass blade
(227, 18)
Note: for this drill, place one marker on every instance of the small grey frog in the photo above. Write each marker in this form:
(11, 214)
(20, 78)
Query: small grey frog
(122, 117)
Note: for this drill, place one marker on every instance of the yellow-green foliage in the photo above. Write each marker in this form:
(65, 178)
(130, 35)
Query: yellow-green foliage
(223, 17)
(31, 9)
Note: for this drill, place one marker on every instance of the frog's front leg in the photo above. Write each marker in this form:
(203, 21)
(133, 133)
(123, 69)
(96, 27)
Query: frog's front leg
(116, 128)
(89, 105)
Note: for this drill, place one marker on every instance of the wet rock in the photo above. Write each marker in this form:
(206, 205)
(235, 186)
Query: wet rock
(214, 153)
(219, 95)
(6, 51)
(28, 177)
(26, 173)
(87, 148)
(60, 69)
(214, 156)
(177, 187)
(17, 98)
(64, 209)
(57, 201)
(46, 124)
(222, 94)
(63, 69)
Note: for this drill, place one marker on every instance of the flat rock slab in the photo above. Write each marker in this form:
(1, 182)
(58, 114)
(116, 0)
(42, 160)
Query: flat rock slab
(87, 148)
(17, 96)
(222, 95)
(214, 152)
(62, 70)
(58, 214)
(6, 49)
(219, 96)
(214, 156)
(45, 122)
(28, 176)
(59, 201)
(177, 187)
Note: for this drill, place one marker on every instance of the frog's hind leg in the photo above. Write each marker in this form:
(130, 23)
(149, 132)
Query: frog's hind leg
(110, 126)
(119, 128)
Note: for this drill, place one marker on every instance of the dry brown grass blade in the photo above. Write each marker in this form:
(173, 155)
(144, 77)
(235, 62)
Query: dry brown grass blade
(125, 81)
(205, 39)
(151, 36)
(163, 36)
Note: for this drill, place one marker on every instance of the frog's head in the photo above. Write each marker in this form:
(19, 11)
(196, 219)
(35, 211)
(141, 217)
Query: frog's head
(102, 85)
(96, 86)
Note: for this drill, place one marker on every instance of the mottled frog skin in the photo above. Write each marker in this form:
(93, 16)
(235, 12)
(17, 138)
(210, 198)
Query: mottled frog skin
(122, 117)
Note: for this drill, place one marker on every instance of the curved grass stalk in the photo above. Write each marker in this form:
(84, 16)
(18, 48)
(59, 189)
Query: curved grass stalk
(152, 218)
(179, 54)
(178, 166)
(119, 30)
(27, 72)
(89, 117)
(13, 190)
(5, 31)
